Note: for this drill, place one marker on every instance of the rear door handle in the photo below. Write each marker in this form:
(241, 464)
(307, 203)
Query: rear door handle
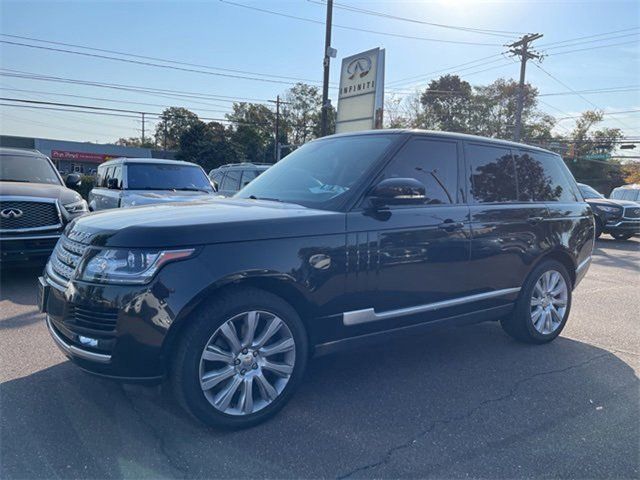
(450, 225)
(535, 220)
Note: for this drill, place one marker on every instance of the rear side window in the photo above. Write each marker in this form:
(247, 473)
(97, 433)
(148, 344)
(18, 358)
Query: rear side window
(432, 162)
(541, 178)
(231, 181)
(247, 176)
(492, 174)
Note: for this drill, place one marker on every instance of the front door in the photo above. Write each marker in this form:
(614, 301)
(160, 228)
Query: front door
(401, 256)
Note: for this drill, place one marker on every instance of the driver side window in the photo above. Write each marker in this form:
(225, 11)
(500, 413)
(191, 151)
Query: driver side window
(434, 163)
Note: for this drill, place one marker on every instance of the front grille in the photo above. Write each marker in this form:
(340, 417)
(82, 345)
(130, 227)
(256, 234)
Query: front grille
(92, 322)
(65, 259)
(28, 215)
(632, 212)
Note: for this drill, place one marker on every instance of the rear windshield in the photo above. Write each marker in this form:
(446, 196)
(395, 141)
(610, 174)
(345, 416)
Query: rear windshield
(145, 176)
(27, 169)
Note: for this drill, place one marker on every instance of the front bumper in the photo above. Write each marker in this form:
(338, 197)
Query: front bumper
(623, 226)
(111, 331)
(27, 248)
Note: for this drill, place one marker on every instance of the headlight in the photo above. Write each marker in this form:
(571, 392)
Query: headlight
(126, 265)
(76, 208)
(608, 209)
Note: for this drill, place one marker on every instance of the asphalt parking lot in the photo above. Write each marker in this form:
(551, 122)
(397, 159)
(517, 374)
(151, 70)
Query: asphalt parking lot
(463, 402)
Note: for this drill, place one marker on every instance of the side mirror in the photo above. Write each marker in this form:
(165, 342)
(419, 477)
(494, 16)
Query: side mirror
(112, 184)
(398, 191)
(73, 180)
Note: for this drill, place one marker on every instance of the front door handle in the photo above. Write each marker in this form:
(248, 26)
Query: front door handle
(450, 225)
(535, 220)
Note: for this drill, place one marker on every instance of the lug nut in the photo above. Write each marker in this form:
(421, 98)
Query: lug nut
(255, 353)
(243, 371)
(254, 366)
(237, 362)
(244, 350)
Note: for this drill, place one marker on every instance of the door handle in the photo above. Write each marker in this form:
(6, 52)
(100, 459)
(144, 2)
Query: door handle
(450, 225)
(535, 220)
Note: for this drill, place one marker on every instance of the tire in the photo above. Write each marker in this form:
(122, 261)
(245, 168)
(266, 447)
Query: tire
(526, 324)
(621, 236)
(209, 395)
(599, 227)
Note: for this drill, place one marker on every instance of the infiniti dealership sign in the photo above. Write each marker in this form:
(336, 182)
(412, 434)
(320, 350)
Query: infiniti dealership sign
(361, 98)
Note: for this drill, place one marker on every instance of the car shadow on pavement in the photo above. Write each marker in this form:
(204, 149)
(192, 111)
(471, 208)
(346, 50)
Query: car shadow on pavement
(457, 402)
(615, 253)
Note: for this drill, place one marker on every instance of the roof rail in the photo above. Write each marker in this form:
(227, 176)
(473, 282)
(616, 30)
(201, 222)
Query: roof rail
(241, 164)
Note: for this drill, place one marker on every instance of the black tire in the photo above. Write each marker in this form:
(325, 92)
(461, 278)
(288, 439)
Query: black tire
(519, 324)
(621, 236)
(185, 366)
(599, 227)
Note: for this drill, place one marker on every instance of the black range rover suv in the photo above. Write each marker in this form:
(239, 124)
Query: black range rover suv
(348, 239)
(35, 205)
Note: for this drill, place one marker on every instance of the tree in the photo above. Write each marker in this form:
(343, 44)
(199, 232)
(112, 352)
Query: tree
(134, 142)
(631, 171)
(447, 100)
(252, 131)
(207, 144)
(173, 122)
(302, 112)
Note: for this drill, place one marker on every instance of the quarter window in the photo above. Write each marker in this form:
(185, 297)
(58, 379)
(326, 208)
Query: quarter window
(492, 174)
(433, 163)
(541, 178)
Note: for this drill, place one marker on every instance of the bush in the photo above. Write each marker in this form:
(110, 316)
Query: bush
(88, 182)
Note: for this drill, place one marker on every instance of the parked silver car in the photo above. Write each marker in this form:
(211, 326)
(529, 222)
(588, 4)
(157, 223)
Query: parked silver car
(128, 182)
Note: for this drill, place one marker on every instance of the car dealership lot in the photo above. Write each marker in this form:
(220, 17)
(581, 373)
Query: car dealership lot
(465, 402)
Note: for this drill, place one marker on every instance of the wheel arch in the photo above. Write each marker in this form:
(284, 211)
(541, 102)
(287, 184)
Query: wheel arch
(280, 285)
(562, 256)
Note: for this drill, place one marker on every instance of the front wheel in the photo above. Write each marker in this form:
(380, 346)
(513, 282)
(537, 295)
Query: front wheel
(622, 236)
(543, 307)
(240, 360)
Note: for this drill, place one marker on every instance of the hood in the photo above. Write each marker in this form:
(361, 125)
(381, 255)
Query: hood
(39, 190)
(133, 198)
(612, 202)
(171, 225)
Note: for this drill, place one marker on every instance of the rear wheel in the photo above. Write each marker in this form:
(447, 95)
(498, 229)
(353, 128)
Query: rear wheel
(543, 307)
(240, 360)
(622, 236)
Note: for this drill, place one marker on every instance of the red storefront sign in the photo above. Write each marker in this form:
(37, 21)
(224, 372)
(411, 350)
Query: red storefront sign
(81, 156)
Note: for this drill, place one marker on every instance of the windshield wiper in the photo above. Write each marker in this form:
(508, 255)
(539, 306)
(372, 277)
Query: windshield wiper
(190, 189)
(253, 197)
(13, 180)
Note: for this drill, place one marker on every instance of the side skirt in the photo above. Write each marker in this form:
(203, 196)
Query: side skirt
(378, 337)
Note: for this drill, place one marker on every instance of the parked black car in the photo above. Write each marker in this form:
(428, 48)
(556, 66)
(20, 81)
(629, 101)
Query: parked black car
(35, 205)
(228, 179)
(350, 239)
(618, 218)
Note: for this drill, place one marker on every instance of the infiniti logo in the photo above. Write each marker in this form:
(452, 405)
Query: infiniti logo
(360, 66)
(11, 213)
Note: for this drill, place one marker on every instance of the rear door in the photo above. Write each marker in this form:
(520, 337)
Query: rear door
(507, 221)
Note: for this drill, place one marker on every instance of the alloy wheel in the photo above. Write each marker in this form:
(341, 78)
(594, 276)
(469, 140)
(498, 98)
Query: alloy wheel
(549, 302)
(247, 363)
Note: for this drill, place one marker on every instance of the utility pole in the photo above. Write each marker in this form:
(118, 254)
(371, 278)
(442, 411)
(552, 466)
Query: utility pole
(521, 49)
(165, 136)
(327, 60)
(277, 142)
(142, 113)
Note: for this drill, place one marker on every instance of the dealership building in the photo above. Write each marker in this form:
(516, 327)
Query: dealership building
(81, 157)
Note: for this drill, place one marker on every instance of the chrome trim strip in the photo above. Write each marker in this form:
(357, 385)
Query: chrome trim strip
(357, 317)
(73, 350)
(32, 237)
(583, 264)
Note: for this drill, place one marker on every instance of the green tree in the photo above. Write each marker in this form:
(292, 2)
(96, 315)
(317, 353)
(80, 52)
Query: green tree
(447, 101)
(135, 142)
(302, 112)
(253, 127)
(172, 123)
(207, 144)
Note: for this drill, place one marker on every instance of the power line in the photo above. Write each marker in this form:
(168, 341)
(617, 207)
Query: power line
(593, 41)
(630, 88)
(145, 63)
(593, 48)
(346, 27)
(588, 36)
(144, 57)
(125, 87)
(483, 31)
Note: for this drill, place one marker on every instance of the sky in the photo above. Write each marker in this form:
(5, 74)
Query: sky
(227, 40)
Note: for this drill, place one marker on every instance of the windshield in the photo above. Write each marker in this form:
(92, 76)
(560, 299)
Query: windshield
(145, 176)
(319, 173)
(589, 192)
(28, 169)
(632, 194)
